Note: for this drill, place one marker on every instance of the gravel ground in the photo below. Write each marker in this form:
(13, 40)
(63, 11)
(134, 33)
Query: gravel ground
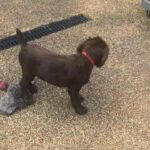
(118, 94)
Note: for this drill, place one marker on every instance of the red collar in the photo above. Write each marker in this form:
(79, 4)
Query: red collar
(84, 53)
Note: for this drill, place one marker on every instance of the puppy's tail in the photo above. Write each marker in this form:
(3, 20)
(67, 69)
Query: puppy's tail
(20, 37)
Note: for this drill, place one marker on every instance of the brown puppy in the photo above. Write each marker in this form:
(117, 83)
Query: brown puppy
(72, 71)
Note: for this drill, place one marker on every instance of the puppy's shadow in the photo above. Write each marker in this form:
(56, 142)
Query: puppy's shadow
(55, 100)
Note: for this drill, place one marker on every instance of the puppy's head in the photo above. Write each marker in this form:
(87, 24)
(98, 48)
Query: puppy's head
(96, 48)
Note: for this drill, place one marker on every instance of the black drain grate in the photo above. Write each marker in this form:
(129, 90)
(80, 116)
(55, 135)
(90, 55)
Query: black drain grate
(44, 30)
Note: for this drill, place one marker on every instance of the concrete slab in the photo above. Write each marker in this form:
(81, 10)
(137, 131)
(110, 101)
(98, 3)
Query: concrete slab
(117, 96)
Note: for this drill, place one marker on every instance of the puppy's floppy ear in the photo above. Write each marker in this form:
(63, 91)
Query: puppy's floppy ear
(80, 48)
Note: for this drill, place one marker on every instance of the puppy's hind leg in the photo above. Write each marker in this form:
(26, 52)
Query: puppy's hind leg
(33, 88)
(76, 100)
(26, 83)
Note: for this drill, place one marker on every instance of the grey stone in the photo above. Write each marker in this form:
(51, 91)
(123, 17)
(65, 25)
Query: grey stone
(13, 100)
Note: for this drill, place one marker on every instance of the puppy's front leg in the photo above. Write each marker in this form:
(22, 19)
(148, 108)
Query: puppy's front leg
(76, 100)
(81, 98)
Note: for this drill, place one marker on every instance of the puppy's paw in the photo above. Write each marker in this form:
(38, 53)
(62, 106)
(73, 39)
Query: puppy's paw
(33, 89)
(30, 102)
(81, 110)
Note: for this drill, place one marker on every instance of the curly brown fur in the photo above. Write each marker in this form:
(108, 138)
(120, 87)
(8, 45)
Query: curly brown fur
(70, 71)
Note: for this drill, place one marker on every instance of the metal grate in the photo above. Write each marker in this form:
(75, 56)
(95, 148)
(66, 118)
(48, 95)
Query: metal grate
(44, 30)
